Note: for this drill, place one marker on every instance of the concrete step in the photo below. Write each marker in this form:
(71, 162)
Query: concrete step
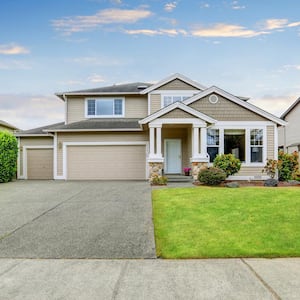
(179, 178)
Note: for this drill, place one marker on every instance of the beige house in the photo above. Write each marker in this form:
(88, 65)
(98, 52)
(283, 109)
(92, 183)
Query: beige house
(289, 135)
(4, 126)
(133, 131)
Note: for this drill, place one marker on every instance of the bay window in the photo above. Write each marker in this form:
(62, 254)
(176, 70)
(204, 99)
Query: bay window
(105, 107)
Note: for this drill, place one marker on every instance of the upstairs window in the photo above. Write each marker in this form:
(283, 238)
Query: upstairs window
(105, 107)
(167, 100)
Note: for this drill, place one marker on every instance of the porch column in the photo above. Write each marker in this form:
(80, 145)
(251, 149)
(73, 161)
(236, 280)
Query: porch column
(158, 141)
(203, 141)
(152, 140)
(195, 152)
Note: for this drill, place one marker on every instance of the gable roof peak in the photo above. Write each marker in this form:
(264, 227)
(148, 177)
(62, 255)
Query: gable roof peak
(292, 106)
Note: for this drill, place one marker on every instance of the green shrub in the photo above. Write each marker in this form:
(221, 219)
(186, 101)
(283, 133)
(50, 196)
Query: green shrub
(228, 163)
(288, 165)
(211, 176)
(8, 156)
(159, 180)
(271, 167)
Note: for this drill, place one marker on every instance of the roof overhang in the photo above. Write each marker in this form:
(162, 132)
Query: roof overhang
(181, 106)
(93, 130)
(236, 100)
(63, 96)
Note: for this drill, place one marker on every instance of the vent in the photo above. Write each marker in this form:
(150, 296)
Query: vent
(213, 99)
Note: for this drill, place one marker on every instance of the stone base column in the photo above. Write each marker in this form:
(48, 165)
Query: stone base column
(155, 170)
(196, 168)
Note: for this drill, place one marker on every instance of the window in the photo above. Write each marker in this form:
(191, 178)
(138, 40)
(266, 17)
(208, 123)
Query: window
(256, 145)
(167, 100)
(234, 142)
(212, 143)
(105, 107)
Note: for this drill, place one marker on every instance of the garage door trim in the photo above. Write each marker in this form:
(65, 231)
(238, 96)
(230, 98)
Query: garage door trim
(25, 148)
(66, 144)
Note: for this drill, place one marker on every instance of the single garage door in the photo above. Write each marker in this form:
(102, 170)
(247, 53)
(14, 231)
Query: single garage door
(40, 163)
(122, 162)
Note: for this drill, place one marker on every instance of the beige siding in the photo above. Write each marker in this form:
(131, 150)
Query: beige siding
(177, 84)
(75, 110)
(32, 141)
(251, 172)
(136, 107)
(176, 114)
(155, 102)
(95, 137)
(270, 142)
(292, 128)
(106, 162)
(4, 128)
(225, 110)
(40, 163)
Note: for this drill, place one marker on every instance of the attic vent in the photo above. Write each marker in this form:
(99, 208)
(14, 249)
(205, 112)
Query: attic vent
(213, 99)
(142, 87)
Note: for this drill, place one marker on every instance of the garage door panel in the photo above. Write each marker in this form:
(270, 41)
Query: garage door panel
(40, 163)
(106, 162)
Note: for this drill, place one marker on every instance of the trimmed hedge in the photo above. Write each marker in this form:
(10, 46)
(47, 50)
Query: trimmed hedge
(228, 163)
(211, 176)
(8, 156)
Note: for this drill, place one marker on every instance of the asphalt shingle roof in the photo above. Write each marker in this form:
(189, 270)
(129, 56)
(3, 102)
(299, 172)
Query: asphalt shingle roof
(38, 130)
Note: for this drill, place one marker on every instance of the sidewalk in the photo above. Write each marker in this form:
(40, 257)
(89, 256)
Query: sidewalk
(149, 279)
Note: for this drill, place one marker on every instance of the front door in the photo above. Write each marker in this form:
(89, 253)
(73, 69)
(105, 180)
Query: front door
(173, 156)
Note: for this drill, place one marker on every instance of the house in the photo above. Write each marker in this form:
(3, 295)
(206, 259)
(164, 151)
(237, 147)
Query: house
(136, 131)
(4, 126)
(289, 135)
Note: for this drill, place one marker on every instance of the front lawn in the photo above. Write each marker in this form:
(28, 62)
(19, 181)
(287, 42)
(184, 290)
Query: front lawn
(217, 222)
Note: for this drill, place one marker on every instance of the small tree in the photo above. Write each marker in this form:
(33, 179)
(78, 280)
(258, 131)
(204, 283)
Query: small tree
(287, 165)
(8, 156)
(228, 163)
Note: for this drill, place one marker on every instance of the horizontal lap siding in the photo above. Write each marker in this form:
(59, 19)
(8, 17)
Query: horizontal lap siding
(75, 110)
(270, 142)
(95, 137)
(250, 172)
(40, 163)
(136, 107)
(106, 162)
(155, 100)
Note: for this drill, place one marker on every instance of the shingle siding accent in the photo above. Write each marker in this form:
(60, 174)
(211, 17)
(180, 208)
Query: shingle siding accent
(177, 84)
(225, 110)
(177, 114)
(270, 142)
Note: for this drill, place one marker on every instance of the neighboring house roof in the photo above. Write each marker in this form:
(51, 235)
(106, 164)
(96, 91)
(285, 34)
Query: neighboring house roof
(171, 78)
(37, 131)
(283, 116)
(127, 88)
(236, 100)
(95, 124)
(5, 124)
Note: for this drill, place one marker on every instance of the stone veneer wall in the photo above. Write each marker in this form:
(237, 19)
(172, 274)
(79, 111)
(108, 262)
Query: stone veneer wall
(196, 168)
(155, 169)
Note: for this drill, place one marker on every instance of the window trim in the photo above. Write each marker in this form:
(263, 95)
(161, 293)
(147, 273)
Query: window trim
(103, 116)
(175, 93)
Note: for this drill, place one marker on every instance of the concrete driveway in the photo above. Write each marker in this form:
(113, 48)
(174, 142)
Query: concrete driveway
(57, 219)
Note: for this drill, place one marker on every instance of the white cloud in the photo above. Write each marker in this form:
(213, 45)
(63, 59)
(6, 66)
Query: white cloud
(170, 6)
(13, 49)
(205, 5)
(70, 25)
(226, 30)
(237, 6)
(153, 32)
(275, 23)
(95, 78)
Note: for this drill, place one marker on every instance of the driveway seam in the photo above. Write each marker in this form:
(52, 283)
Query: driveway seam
(265, 284)
(39, 216)
(118, 283)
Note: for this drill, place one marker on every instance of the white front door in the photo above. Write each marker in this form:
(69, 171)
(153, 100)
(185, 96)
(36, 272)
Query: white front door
(172, 156)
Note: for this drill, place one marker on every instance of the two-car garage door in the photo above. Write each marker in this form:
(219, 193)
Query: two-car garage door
(117, 162)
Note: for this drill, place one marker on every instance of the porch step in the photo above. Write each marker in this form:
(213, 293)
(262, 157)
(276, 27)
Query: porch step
(179, 178)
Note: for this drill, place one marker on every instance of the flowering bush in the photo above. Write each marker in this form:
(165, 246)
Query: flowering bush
(186, 170)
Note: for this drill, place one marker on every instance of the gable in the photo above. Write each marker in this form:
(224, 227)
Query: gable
(225, 110)
(177, 114)
(177, 84)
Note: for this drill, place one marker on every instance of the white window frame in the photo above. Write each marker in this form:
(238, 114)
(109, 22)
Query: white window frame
(174, 93)
(104, 116)
(247, 128)
(214, 145)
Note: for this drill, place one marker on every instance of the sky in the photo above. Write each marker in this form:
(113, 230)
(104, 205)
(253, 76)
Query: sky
(248, 48)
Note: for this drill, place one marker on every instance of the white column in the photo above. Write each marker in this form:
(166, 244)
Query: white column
(158, 141)
(152, 134)
(195, 151)
(203, 141)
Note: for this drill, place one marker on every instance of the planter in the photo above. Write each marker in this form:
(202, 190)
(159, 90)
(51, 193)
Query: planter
(187, 173)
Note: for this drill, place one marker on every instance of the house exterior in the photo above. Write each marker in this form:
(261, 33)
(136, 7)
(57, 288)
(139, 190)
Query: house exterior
(4, 126)
(140, 130)
(289, 135)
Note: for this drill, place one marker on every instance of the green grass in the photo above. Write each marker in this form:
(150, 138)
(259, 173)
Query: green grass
(205, 222)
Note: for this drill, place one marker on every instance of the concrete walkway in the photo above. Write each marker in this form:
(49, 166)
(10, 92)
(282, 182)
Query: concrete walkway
(150, 279)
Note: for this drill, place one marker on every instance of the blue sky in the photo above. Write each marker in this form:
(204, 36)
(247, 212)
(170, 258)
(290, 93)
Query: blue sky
(248, 48)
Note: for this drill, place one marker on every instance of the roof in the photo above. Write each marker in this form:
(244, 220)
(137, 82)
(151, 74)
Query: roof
(97, 124)
(5, 124)
(290, 109)
(127, 88)
(37, 131)
(171, 78)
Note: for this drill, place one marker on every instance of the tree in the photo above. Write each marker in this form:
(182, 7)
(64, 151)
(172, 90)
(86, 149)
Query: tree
(8, 156)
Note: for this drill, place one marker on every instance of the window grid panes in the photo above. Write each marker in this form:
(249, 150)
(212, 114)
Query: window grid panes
(256, 145)
(212, 143)
(91, 107)
(172, 99)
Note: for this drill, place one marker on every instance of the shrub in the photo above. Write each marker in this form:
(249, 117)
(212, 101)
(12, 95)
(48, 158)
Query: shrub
(271, 167)
(228, 163)
(8, 156)
(159, 180)
(211, 176)
(288, 165)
